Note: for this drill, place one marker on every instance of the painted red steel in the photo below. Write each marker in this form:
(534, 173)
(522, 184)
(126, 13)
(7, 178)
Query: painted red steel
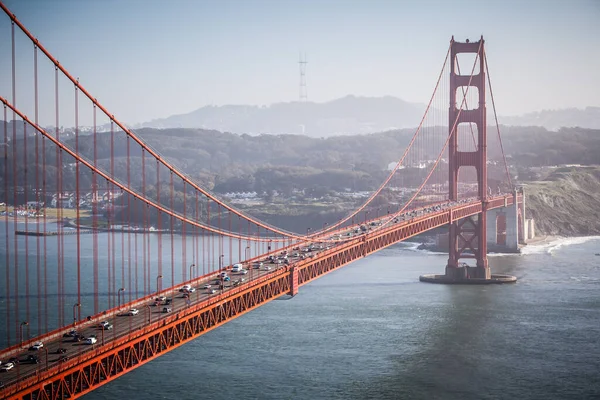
(468, 237)
(87, 372)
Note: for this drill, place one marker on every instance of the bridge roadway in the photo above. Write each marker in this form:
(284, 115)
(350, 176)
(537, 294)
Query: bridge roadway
(149, 313)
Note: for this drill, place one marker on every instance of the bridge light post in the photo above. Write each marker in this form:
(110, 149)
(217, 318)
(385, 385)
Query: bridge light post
(191, 267)
(24, 323)
(221, 258)
(149, 313)
(76, 305)
(247, 255)
(119, 296)
(158, 278)
(46, 351)
(366, 216)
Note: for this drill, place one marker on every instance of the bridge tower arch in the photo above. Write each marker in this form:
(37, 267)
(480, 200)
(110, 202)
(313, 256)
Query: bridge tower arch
(467, 239)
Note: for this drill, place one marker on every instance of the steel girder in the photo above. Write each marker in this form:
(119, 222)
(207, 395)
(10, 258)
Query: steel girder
(107, 365)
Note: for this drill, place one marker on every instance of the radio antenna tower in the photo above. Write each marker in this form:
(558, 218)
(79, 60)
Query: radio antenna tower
(303, 92)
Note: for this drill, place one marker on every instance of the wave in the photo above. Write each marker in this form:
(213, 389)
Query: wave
(555, 244)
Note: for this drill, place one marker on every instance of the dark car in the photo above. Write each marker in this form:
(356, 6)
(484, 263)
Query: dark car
(63, 359)
(71, 333)
(13, 360)
(60, 350)
(31, 359)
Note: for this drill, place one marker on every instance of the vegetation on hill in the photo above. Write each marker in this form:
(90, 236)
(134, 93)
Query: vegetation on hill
(566, 202)
(291, 168)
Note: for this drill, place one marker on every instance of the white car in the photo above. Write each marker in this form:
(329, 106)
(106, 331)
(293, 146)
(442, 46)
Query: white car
(237, 268)
(185, 288)
(133, 311)
(7, 366)
(36, 346)
(161, 298)
(207, 286)
(244, 271)
(91, 340)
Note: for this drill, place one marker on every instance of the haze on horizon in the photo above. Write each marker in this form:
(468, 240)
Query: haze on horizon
(152, 59)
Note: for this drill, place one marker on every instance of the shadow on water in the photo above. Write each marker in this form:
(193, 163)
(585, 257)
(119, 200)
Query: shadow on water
(439, 364)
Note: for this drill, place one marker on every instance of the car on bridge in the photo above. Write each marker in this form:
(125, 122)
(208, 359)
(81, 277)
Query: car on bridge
(91, 340)
(105, 325)
(60, 350)
(36, 346)
(237, 267)
(187, 289)
(7, 367)
(132, 312)
(31, 359)
(71, 333)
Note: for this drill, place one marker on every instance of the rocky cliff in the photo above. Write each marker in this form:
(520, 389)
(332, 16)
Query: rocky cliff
(566, 202)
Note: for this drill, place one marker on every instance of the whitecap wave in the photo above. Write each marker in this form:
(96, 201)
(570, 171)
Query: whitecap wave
(555, 244)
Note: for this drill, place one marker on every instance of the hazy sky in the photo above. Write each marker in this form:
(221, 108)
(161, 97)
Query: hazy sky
(147, 59)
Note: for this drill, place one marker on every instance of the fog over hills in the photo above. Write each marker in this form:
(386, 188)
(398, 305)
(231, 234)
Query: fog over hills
(347, 115)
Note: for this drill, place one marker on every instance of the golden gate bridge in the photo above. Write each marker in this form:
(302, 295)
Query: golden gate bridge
(169, 260)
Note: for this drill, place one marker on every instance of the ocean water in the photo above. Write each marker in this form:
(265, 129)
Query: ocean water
(371, 330)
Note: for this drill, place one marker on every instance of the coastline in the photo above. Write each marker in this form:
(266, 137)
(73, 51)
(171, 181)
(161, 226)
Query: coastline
(30, 220)
(544, 239)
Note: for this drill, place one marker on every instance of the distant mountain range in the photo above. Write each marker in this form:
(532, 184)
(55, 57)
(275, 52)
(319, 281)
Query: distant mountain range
(588, 117)
(347, 115)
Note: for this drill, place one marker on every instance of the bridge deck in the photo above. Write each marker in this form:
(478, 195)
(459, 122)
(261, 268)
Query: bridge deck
(135, 340)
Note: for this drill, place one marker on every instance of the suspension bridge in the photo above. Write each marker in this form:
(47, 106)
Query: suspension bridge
(139, 258)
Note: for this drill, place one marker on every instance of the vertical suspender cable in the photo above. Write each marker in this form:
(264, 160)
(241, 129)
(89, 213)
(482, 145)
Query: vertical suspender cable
(184, 236)
(38, 208)
(112, 292)
(159, 223)
(78, 213)
(95, 211)
(6, 202)
(145, 227)
(172, 190)
(129, 250)
(25, 189)
(14, 177)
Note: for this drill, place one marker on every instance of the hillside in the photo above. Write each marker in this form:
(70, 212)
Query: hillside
(588, 117)
(566, 202)
(347, 115)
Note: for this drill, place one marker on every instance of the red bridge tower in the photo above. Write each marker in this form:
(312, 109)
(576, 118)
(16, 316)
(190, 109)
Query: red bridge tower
(467, 237)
